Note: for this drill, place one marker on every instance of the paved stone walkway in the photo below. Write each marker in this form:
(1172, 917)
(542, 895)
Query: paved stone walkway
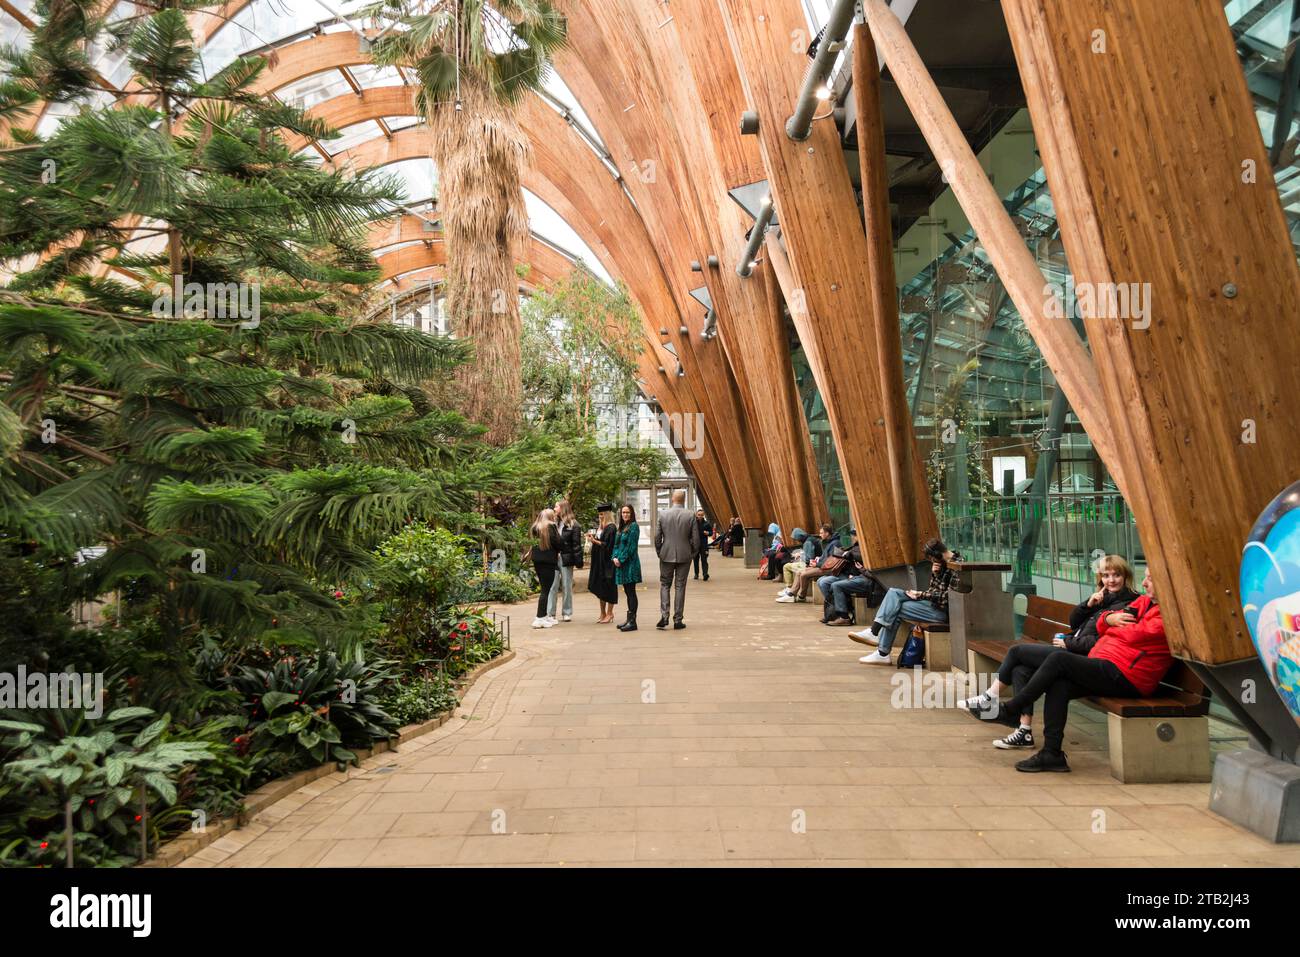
(752, 738)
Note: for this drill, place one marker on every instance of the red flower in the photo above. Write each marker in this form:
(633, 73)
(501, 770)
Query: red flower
(338, 594)
(137, 817)
(44, 845)
(464, 626)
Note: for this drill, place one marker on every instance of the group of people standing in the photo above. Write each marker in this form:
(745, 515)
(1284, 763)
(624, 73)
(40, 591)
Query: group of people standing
(682, 539)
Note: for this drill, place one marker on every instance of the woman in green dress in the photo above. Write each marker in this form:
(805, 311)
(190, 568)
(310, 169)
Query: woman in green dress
(627, 563)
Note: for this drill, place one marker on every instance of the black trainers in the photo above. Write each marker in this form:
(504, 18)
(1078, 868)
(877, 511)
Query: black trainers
(662, 623)
(1022, 737)
(992, 710)
(1044, 760)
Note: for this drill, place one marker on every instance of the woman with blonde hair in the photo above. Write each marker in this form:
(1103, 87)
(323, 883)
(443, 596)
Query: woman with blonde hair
(545, 556)
(570, 548)
(600, 578)
(1114, 593)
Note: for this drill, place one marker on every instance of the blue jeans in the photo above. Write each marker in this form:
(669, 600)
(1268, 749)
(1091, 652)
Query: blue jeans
(896, 608)
(563, 580)
(837, 590)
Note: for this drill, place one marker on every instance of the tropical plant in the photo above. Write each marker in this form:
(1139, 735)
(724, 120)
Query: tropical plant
(311, 710)
(580, 342)
(417, 572)
(474, 62)
(420, 698)
(94, 771)
(221, 467)
(500, 588)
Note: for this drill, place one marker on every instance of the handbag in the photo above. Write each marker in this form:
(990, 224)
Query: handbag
(762, 569)
(834, 564)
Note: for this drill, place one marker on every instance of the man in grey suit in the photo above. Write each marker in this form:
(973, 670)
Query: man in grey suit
(676, 542)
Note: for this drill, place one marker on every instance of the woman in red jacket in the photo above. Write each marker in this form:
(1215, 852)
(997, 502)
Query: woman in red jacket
(1128, 661)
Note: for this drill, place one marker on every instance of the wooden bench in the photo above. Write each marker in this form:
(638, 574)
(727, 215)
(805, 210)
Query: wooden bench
(1162, 738)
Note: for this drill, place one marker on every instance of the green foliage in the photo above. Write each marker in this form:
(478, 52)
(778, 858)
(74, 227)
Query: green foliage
(580, 343)
(555, 463)
(420, 698)
(310, 710)
(508, 45)
(100, 771)
(496, 588)
(416, 573)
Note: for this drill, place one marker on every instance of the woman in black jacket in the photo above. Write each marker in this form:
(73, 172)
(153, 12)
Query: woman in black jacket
(600, 578)
(1114, 593)
(570, 548)
(545, 556)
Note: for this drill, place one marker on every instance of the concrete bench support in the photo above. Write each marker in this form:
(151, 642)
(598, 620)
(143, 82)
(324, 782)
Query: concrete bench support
(1159, 750)
(981, 611)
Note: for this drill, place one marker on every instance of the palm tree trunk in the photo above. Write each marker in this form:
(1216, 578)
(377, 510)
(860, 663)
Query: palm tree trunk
(479, 152)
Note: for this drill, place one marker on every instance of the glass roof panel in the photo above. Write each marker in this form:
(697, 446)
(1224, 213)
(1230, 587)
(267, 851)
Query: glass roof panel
(351, 136)
(260, 23)
(550, 225)
(314, 89)
(418, 176)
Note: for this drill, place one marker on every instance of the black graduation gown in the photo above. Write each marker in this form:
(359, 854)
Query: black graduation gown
(600, 577)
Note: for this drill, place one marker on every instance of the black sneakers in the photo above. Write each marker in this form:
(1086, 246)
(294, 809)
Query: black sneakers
(987, 710)
(662, 623)
(679, 625)
(1044, 760)
(1022, 737)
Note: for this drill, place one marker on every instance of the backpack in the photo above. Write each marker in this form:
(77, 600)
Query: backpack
(913, 653)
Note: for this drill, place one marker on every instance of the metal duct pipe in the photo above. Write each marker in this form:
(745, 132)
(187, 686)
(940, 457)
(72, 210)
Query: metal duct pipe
(799, 126)
(746, 267)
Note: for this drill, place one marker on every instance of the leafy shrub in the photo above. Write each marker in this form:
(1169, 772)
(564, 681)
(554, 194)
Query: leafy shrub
(473, 637)
(417, 571)
(498, 588)
(420, 698)
(98, 773)
(309, 710)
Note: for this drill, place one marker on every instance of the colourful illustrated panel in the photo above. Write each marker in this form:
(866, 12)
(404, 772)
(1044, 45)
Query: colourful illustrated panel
(1270, 591)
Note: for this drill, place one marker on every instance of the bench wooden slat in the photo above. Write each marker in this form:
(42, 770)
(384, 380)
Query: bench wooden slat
(1050, 609)
(1040, 630)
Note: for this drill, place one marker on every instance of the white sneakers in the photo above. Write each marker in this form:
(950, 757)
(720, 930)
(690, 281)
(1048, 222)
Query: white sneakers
(786, 599)
(865, 636)
(567, 618)
(875, 658)
(543, 622)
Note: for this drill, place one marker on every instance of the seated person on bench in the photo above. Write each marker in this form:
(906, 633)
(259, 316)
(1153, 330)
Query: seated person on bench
(1114, 592)
(841, 579)
(926, 607)
(1128, 661)
(800, 575)
(787, 555)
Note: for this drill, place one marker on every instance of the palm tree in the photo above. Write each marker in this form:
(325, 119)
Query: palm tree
(474, 63)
